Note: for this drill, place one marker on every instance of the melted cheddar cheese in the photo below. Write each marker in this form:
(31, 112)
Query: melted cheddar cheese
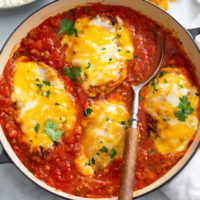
(103, 140)
(40, 95)
(102, 51)
(162, 101)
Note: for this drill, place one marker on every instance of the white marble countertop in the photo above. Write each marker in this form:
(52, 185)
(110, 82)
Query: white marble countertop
(13, 184)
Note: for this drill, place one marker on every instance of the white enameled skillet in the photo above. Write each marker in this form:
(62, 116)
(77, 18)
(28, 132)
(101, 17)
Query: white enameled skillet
(148, 9)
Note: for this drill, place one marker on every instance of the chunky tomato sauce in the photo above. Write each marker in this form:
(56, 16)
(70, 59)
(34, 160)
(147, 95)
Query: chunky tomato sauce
(56, 167)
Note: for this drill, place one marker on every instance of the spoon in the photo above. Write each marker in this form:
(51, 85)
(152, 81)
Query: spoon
(131, 137)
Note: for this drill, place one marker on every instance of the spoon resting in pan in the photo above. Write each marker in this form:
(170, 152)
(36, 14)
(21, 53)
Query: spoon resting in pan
(131, 137)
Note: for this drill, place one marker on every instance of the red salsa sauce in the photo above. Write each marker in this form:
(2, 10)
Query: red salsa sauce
(56, 167)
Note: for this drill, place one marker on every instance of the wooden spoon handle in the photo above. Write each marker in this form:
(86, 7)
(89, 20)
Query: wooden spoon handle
(128, 164)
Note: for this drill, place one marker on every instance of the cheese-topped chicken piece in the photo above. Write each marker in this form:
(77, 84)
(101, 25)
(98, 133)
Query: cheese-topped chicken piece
(102, 51)
(45, 109)
(103, 139)
(172, 101)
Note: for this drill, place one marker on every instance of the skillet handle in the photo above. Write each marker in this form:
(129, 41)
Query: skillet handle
(4, 158)
(194, 32)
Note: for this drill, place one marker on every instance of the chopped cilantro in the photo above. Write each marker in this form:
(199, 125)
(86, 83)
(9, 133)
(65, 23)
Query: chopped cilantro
(39, 86)
(135, 56)
(37, 79)
(114, 153)
(73, 74)
(197, 94)
(107, 119)
(164, 119)
(48, 93)
(152, 151)
(31, 170)
(57, 104)
(157, 26)
(98, 153)
(184, 109)
(87, 111)
(110, 59)
(66, 71)
(180, 42)
(165, 81)
(118, 49)
(47, 83)
(75, 32)
(118, 35)
(50, 128)
(180, 86)
(173, 55)
(141, 98)
(72, 11)
(67, 27)
(88, 66)
(154, 84)
(103, 49)
(123, 123)
(55, 143)
(128, 51)
(128, 60)
(93, 161)
(104, 149)
(162, 73)
(88, 163)
(36, 128)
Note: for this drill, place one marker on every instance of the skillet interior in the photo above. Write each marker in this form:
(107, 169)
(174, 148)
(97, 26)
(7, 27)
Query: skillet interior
(141, 6)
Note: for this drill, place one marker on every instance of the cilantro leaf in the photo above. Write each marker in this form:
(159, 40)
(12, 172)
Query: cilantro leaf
(87, 112)
(152, 151)
(67, 27)
(47, 83)
(39, 86)
(154, 85)
(118, 35)
(123, 123)
(48, 93)
(50, 128)
(184, 109)
(36, 128)
(73, 74)
(75, 32)
(88, 66)
(141, 98)
(93, 161)
(162, 73)
(104, 149)
(66, 71)
(72, 11)
(114, 153)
